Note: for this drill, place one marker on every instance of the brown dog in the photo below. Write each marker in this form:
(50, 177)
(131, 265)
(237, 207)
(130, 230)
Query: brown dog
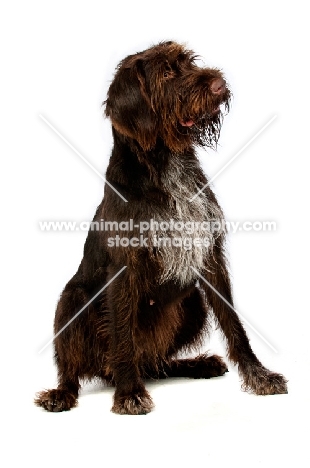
(161, 105)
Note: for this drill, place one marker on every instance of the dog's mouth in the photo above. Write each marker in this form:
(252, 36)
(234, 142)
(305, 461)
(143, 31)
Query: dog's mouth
(191, 123)
(187, 123)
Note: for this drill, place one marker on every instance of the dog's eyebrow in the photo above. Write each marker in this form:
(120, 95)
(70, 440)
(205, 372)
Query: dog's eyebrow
(181, 56)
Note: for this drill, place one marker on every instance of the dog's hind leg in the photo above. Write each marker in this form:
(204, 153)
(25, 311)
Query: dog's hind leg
(256, 378)
(195, 324)
(74, 353)
(201, 367)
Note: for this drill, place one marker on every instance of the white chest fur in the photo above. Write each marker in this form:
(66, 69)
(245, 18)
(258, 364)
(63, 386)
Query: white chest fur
(179, 248)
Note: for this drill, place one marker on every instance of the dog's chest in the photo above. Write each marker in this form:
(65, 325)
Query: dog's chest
(184, 236)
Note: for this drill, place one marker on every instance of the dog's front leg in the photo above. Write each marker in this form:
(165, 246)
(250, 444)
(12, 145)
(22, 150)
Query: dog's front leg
(216, 283)
(130, 395)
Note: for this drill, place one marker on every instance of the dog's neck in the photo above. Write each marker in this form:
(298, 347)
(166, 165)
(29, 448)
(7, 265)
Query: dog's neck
(135, 164)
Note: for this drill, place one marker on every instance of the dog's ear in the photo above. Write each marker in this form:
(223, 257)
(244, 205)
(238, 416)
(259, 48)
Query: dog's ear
(128, 105)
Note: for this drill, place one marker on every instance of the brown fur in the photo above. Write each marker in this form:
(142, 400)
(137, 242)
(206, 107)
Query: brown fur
(161, 105)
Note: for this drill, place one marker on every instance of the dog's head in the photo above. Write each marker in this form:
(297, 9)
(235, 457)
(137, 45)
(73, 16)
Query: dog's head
(161, 93)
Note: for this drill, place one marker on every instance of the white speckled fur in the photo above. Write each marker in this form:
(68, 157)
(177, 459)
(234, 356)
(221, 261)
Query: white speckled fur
(177, 261)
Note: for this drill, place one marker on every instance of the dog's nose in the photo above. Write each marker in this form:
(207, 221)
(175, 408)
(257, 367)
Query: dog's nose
(217, 86)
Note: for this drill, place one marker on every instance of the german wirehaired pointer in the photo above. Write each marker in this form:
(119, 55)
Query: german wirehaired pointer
(161, 105)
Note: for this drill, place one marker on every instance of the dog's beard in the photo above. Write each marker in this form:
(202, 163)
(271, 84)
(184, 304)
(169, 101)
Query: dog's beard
(204, 130)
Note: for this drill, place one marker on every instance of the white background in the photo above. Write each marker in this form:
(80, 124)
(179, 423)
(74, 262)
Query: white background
(57, 59)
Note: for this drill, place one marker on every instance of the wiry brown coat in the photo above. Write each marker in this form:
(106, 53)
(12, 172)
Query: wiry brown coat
(161, 105)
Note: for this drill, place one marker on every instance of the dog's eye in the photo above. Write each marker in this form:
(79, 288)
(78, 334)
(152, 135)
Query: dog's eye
(168, 73)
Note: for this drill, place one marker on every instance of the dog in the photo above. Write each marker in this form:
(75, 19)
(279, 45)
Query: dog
(148, 299)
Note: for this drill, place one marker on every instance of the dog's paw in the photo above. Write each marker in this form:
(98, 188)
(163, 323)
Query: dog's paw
(206, 367)
(134, 403)
(261, 381)
(56, 400)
